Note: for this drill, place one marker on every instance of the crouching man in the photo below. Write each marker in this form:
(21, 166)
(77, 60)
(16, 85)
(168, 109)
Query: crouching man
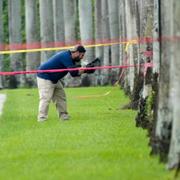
(49, 83)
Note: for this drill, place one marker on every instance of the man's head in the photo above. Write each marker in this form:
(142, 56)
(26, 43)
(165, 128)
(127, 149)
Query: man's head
(78, 53)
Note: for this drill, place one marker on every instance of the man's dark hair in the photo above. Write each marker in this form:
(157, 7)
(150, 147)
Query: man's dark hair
(79, 48)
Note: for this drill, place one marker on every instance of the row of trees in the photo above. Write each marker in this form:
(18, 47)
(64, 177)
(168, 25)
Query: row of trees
(150, 29)
(58, 23)
(155, 91)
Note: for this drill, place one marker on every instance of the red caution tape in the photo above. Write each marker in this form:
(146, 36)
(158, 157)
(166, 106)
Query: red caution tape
(72, 69)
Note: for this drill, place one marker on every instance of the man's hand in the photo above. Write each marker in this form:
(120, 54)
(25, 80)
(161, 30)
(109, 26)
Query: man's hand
(89, 71)
(94, 63)
(81, 71)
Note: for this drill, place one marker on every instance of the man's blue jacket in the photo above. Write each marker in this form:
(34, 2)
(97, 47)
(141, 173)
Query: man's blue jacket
(61, 60)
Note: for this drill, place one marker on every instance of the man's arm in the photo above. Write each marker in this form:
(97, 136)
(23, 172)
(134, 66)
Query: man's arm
(75, 73)
(69, 65)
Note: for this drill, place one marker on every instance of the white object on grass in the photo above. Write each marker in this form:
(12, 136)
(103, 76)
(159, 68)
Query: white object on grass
(2, 101)
(94, 96)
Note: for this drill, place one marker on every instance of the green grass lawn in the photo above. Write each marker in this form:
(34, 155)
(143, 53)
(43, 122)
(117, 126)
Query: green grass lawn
(99, 142)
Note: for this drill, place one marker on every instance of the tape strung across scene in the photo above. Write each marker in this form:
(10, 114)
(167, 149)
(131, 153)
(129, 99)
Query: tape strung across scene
(127, 43)
(21, 48)
(145, 65)
(56, 48)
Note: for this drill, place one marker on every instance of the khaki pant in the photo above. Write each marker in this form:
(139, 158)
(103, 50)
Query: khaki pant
(47, 92)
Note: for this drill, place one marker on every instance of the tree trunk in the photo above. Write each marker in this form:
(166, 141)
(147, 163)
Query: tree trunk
(174, 152)
(131, 33)
(86, 26)
(120, 31)
(70, 18)
(31, 21)
(105, 74)
(98, 36)
(164, 121)
(86, 33)
(46, 28)
(70, 15)
(156, 69)
(122, 77)
(98, 28)
(125, 72)
(1, 40)
(134, 81)
(144, 118)
(156, 43)
(58, 22)
(114, 35)
(147, 45)
(15, 38)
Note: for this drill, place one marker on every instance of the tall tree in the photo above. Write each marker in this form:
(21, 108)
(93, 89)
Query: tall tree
(98, 28)
(31, 23)
(123, 33)
(105, 37)
(174, 152)
(1, 39)
(145, 33)
(133, 81)
(114, 30)
(70, 16)
(86, 26)
(15, 38)
(114, 35)
(164, 119)
(156, 37)
(121, 7)
(131, 29)
(98, 35)
(46, 27)
(58, 22)
(86, 34)
(156, 69)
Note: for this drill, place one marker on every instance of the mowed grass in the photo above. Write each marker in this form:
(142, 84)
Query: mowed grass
(99, 142)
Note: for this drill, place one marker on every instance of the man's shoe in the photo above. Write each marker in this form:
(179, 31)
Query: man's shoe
(64, 116)
(41, 119)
